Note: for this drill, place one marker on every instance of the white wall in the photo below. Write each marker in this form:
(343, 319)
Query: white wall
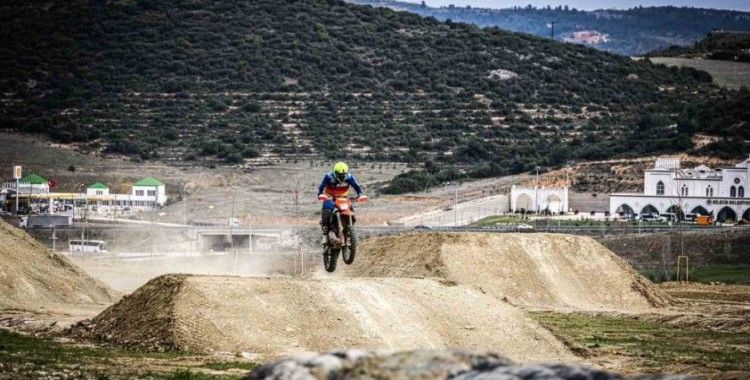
(160, 196)
(547, 198)
(93, 191)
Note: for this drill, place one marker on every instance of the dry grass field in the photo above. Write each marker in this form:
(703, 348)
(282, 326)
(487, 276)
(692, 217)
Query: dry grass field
(725, 73)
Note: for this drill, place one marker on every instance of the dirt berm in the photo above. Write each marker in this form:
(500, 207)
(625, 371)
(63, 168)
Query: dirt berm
(273, 317)
(35, 279)
(530, 269)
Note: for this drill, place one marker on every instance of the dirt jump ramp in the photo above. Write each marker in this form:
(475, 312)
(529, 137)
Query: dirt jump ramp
(550, 271)
(33, 278)
(274, 317)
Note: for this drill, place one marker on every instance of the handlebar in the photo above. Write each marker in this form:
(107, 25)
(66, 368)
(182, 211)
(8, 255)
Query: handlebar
(359, 199)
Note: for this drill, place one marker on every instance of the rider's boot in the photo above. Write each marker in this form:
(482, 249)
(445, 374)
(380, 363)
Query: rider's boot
(324, 217)
(324, 238)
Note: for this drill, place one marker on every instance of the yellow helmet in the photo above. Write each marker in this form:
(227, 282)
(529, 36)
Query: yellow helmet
(340, 170)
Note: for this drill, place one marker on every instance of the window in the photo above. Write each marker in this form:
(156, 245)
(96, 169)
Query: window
(684, 190)
(660, 188)
(139, 193)
(709, 191)
(99, 192)
(732, 191)
(152, 193)
(741, 192)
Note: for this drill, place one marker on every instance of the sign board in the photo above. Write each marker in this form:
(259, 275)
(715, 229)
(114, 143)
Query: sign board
(17, 172)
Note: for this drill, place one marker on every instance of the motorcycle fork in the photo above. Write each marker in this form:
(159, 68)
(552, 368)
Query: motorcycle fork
(340, 226)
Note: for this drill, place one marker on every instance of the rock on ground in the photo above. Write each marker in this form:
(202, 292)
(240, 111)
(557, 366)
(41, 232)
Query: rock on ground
(425, 365)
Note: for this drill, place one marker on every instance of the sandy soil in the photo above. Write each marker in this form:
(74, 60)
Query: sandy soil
(536, 270)
(32, 278)
(272, 317)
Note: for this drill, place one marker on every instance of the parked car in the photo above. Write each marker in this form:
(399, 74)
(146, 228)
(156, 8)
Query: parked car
(421, 227)
(669, 217)
(652, 217)
(524, 226)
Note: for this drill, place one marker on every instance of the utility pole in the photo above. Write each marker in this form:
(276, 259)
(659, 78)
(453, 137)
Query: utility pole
(455, 209)
(17, 173)
(17, 185)
(536, 191)
(54, 240)
(552, 32)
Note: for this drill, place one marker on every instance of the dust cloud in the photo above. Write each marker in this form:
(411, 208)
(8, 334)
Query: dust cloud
(137, 256)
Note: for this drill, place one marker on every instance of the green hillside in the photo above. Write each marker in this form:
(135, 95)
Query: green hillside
(227, 80)
(632, 32)
(725, 46)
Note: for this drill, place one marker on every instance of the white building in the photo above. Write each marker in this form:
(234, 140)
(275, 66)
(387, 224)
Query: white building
(145, 195)
(29, 184)
(669, 188)
(151, 191)
(97, 188)
(539, 199)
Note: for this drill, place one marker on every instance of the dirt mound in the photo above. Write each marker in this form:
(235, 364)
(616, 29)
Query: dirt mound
(272, 317)
(536, 270)
(34, 278)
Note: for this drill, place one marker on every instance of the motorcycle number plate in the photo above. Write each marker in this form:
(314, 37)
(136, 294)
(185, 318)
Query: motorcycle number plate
(344, 206)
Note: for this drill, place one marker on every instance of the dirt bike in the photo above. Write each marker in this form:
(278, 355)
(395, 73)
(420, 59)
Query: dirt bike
(341, 237)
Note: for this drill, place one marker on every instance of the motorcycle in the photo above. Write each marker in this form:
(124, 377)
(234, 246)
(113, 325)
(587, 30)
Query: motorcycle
(341, 238)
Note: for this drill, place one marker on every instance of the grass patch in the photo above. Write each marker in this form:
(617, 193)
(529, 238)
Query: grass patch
(724, 273)
(497, 219)
(29, 355)
(651, 346)
(538, 223)
(223, 366)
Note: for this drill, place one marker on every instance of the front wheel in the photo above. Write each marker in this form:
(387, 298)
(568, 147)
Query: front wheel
(330, 256)
(348, 253)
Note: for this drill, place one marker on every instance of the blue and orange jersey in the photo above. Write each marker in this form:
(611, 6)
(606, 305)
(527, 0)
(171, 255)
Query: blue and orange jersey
(332, 186)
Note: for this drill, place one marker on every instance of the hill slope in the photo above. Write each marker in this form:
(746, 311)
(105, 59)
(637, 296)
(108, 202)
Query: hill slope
(629, 32)
(231, 80)
(726, 46)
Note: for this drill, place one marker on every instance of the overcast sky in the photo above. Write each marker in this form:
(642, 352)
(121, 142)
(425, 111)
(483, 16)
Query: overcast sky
(742, 5)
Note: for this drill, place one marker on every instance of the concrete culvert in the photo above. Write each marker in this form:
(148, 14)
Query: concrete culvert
(33, 278)
(272, 317)
(550, 271)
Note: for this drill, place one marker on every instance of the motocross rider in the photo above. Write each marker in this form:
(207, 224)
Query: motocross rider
(336, 184)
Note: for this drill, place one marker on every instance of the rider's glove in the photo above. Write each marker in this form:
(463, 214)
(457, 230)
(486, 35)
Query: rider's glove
(363, 198)
(322, 197)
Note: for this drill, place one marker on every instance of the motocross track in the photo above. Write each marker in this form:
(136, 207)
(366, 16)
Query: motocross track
(32, 278)
(548, 271)
(273, 317)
